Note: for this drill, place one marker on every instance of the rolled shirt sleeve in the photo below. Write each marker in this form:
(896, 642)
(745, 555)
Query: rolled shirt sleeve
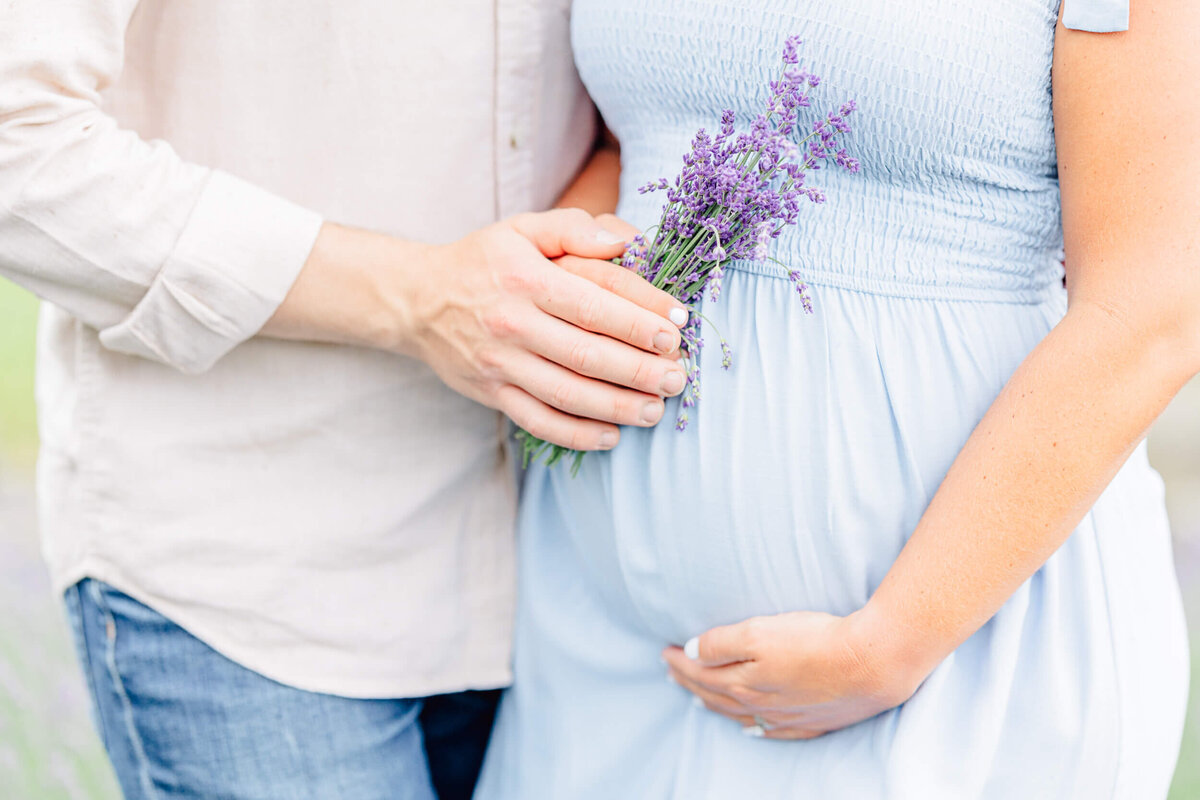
(170, 261)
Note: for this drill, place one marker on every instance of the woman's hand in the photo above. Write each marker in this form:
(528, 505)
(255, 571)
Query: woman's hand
(791, 676)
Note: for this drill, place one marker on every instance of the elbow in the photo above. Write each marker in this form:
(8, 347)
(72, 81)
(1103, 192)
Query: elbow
(38, 131)
(1163, 332)
(1172, 330)
(1189, 347)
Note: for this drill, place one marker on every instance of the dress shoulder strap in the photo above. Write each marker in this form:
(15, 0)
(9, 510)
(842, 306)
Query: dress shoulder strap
(1098, 16)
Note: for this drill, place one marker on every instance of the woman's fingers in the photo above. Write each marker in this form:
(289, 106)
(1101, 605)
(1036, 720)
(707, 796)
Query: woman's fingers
(717, 703)
(623, 281)
(755, 722)
(727, 644)
(588, 305)
(586, 246)
(633, 287)
(792, 733)
(727, 680)
(552, 425)
(563, 389)
(595, 356)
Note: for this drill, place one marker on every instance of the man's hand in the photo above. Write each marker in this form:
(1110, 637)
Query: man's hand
(568, 350)
(552, 346)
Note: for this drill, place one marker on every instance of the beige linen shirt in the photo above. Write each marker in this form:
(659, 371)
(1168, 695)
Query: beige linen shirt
(331, 517)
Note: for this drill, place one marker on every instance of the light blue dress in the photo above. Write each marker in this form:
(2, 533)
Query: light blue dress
(934, 272)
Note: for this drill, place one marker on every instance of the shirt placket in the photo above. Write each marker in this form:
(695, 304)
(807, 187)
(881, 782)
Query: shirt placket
(519, 31)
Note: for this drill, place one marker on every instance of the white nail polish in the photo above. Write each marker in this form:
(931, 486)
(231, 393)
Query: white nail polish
(692, 648)
(678, 317)
(697, 702)
(754, 730)
(608, 237)
(671, 679)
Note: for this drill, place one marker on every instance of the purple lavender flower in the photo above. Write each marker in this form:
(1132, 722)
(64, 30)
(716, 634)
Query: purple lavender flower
(653, 186)
(802, 290)
(762, 239)
(714, 281)
(791, 47)
(735, 193)
(843, 160)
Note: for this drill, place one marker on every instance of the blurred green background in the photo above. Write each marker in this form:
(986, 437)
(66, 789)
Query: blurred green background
(48, 749)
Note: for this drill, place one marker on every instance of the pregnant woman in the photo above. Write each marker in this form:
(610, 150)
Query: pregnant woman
(912, 541)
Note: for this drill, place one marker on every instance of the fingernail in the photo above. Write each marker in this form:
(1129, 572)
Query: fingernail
(652, 412)
(754, 730)
(608, 440)
(678, 317)
(608, 237)
(671, 679)
(672, 383)
(697, 702)
(692, 648)
(664, 342)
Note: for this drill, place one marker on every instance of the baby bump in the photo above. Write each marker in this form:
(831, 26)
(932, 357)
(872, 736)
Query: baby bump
(805, 467)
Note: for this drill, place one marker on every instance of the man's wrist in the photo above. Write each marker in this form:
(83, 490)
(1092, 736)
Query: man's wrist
(354, 289)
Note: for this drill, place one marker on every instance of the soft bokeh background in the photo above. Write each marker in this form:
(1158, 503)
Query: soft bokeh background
(48, 749)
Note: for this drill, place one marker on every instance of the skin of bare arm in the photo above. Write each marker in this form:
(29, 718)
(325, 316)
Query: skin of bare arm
(1128, 136)
(597, 187)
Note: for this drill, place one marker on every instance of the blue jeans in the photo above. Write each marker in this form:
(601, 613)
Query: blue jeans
(179, 720)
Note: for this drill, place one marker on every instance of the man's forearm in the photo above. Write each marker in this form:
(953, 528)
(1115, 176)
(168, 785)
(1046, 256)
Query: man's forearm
(345, 293)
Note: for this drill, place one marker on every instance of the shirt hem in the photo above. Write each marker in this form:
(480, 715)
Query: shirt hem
(362, 689)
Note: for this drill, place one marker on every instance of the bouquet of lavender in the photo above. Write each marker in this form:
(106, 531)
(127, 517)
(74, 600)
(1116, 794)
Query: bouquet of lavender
(735, 194)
